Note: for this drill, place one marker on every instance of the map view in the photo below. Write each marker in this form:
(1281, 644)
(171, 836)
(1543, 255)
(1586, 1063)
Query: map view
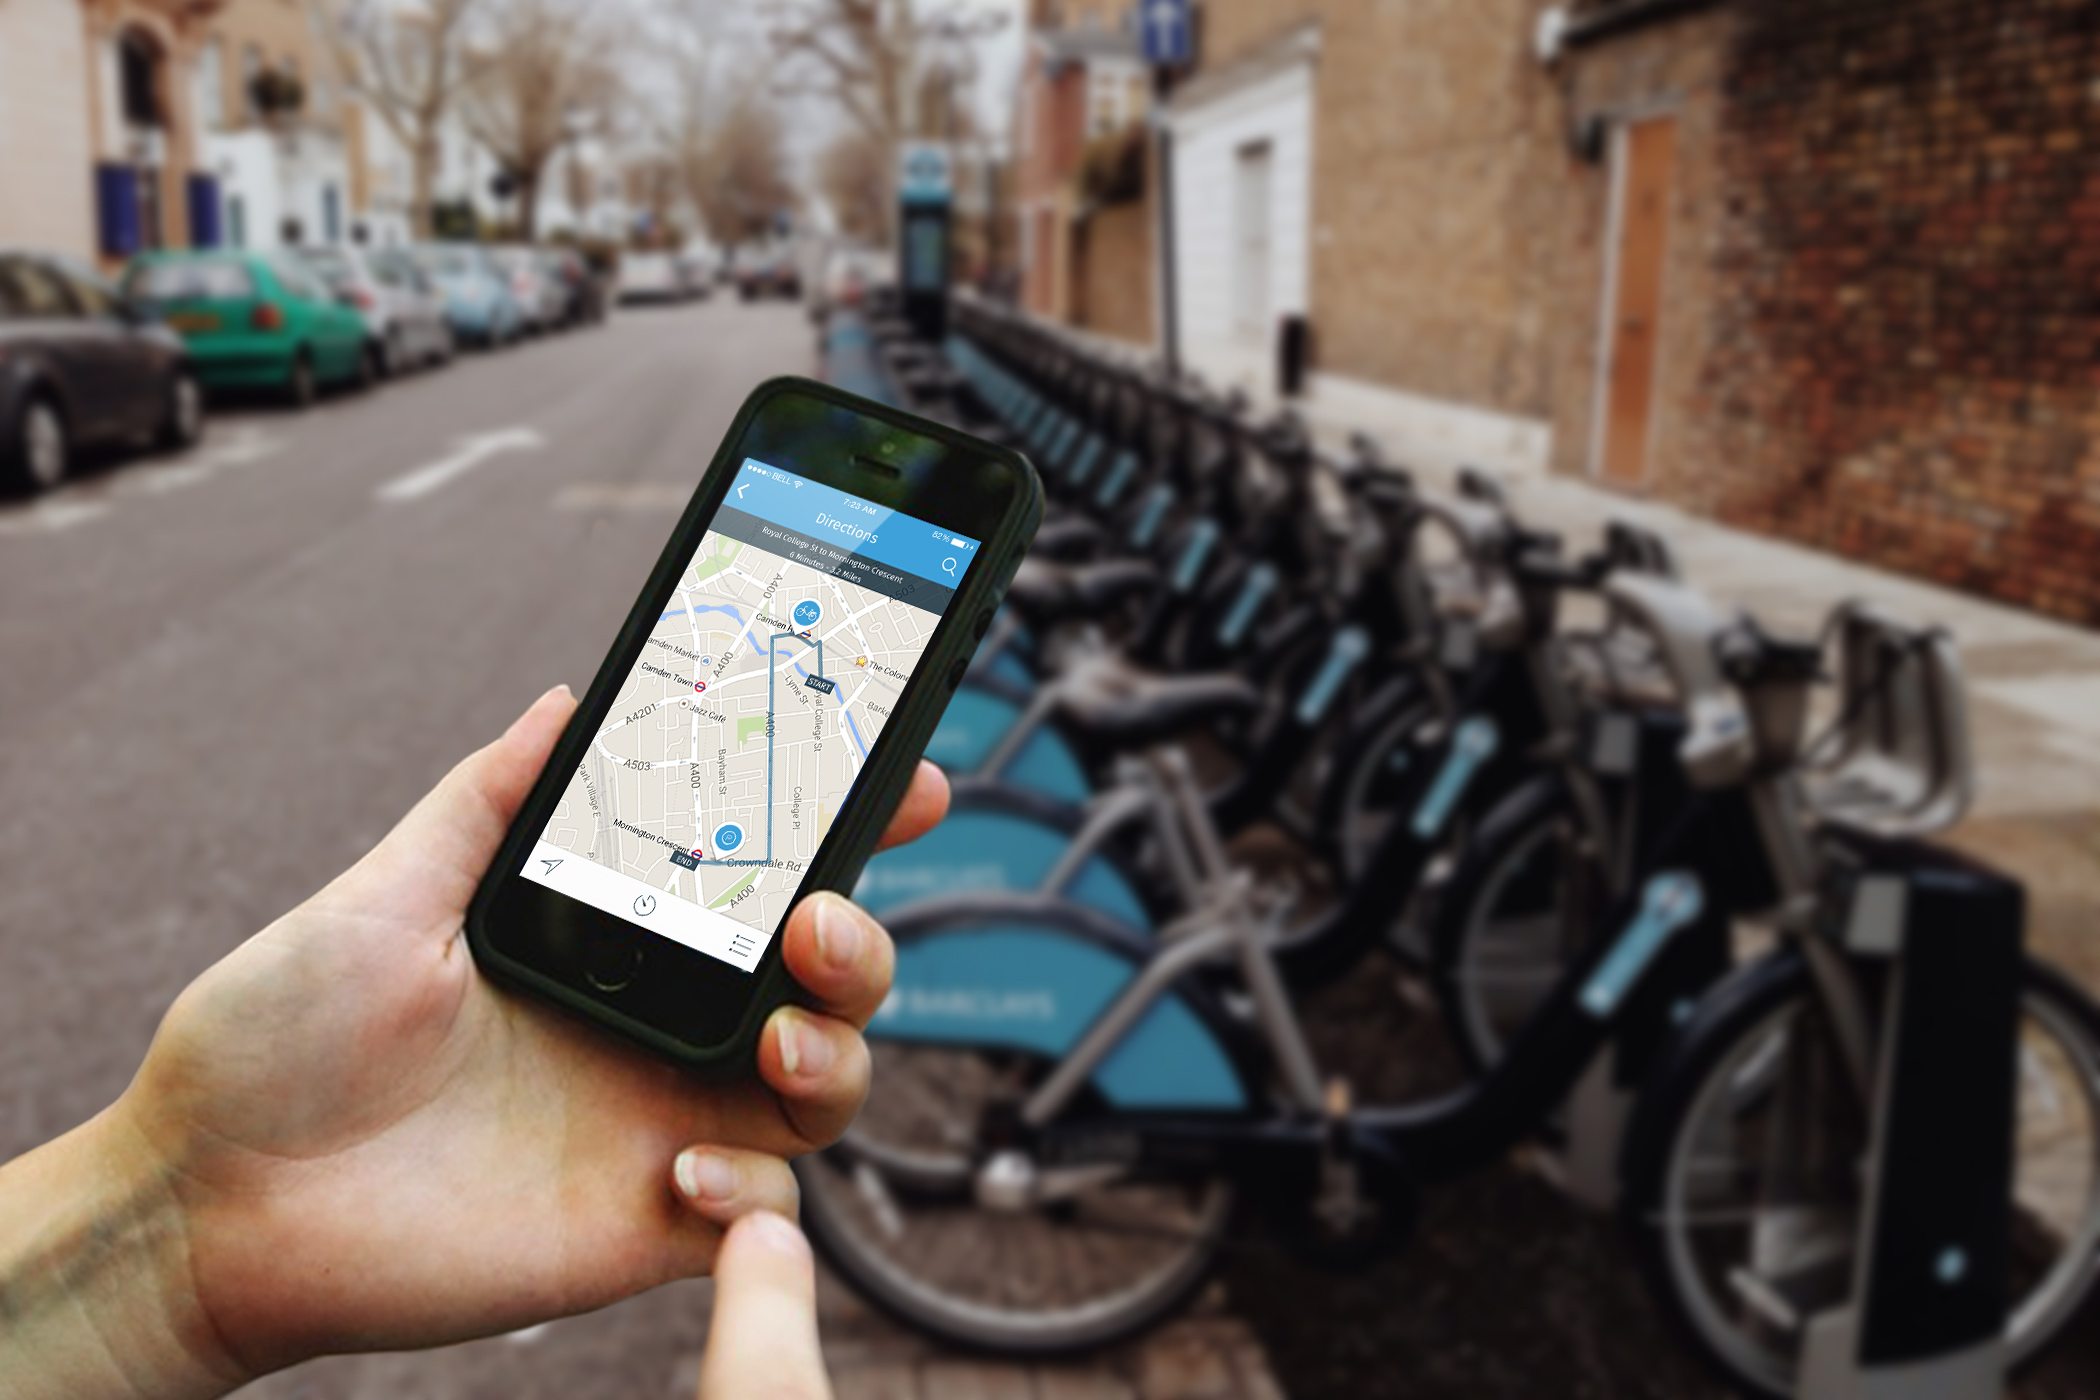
(719, 768)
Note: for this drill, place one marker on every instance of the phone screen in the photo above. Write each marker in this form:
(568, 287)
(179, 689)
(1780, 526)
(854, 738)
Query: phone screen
(741, 730)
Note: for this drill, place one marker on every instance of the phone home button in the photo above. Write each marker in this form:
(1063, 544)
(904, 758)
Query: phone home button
(612, 964)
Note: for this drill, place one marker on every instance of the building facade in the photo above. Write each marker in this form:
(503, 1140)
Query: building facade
(1082, 171)
(100, 143)
(1826, 271)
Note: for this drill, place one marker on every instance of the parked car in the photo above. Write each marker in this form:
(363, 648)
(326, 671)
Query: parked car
(80, 366)
(403, 313)
(478, 301)
(539, 300)
(768, 275)
(696, 270)
(255, 320)
(651, 277)
(849, 273)
(582, 300)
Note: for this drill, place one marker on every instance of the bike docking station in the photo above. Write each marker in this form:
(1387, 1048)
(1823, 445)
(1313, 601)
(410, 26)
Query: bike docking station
(1699, 955)
(1926, 1319)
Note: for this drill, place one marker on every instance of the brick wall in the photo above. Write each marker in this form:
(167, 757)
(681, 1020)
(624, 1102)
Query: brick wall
(1112, 271)
(1437, 167)
(1903, 357)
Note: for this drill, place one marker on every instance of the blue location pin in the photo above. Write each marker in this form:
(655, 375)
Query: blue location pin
(807, 613)
(728, 836)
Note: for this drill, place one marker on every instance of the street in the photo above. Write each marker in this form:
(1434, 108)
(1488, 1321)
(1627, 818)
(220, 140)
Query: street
(226, 674)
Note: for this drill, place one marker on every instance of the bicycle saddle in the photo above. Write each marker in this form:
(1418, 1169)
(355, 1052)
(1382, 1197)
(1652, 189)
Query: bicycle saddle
(1117, 702)
(1052, 592)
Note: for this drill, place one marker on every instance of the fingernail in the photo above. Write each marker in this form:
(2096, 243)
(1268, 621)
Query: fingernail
(563, 689)
(773, 1231)
(839, 936)
(705, 1176)
(804, 1051)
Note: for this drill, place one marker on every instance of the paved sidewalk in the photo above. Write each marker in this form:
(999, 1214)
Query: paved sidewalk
(1205, 1354)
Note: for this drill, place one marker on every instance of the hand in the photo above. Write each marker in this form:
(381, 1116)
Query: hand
(367, 1146)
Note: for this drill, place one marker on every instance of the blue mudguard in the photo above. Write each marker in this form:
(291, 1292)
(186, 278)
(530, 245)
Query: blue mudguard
(1033, 976)
(972, 727)
(994, 841)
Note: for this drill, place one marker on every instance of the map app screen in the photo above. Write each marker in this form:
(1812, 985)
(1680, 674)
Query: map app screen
(740, 732)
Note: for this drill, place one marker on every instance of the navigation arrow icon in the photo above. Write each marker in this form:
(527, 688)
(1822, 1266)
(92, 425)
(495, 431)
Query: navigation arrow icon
(742, 489)
(550, 864)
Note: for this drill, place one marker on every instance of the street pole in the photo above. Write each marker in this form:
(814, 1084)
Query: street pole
(1163, 135)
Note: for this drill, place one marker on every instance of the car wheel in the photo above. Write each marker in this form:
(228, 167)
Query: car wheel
(299, 387)
(184, 422)
(389, 357)
(446, 347)
(369, 369)
(38, 457)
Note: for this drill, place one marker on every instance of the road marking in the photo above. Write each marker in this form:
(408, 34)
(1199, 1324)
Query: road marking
(77, 503)
(468, 453)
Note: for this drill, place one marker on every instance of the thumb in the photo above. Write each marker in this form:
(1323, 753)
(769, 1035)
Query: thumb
(763, 1341)
(437, 854)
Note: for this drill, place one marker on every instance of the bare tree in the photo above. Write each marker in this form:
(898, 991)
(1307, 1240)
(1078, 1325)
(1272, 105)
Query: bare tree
(740, 185)
(875, 60)
(855, 179)
(408, 66)
(546, 77)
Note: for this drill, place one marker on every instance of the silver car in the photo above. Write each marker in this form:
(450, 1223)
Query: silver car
(542, 303)
(404, 312)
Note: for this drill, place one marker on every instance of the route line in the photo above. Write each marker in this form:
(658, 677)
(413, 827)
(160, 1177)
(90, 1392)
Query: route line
(772, 725)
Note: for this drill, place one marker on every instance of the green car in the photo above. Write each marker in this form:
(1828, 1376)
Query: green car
(255, 320)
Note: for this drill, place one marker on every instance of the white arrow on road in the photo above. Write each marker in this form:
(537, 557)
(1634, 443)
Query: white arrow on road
(467, 453)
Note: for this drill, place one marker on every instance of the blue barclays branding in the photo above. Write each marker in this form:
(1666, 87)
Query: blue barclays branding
(968, 1004)
(1672, 900)
(1473, 745)
(1349, 647)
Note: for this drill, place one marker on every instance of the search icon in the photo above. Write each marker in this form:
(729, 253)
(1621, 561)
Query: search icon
(948, 567)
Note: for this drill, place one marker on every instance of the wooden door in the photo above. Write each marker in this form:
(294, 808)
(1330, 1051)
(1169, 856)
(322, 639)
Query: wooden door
(1647, 150)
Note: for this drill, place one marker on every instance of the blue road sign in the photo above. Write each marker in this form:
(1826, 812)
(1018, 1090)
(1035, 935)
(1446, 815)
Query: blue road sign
(1164, 31)
(807, 612)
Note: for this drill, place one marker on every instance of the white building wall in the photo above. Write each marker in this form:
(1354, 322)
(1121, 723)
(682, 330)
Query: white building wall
(47, 193)
(1208, 139)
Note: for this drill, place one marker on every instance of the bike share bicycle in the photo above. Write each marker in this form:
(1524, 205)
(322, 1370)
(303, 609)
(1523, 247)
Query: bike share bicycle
(1075, 1127)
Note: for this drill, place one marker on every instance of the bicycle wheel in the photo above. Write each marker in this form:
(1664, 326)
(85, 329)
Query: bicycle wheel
(1504, 928)
(894, 1207)
(1366, 802)
(1742, 1188)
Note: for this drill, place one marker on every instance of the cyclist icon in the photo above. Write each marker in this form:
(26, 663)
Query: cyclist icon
(807, 613)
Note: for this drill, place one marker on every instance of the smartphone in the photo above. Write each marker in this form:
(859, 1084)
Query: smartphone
(758, 719)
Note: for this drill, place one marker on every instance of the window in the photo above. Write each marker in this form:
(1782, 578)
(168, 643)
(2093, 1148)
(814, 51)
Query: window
(296, 280)
(138, 78)
(251, 70)
(213, 279)
(30, 290)
(211, 85)
(91, 295)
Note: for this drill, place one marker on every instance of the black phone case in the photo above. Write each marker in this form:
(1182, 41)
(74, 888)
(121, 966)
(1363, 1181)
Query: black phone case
(882, 783)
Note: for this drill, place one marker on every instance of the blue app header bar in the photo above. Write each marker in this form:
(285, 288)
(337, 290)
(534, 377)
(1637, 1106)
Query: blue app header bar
(860, 527)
